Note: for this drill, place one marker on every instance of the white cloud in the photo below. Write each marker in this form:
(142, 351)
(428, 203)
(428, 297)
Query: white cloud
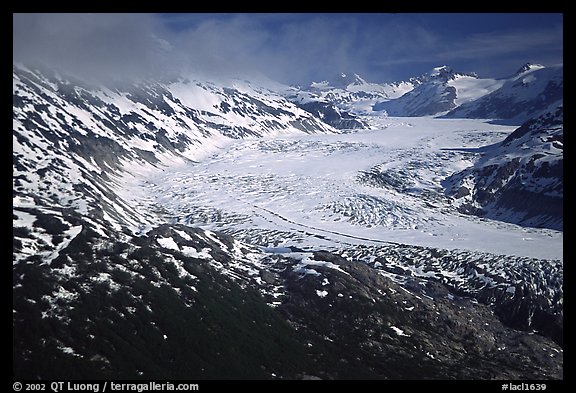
(89, 44)
(287, 47)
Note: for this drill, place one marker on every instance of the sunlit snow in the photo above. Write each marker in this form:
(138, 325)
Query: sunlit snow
(305, 190)
(169, 243)
(399, 331)
(321, 293)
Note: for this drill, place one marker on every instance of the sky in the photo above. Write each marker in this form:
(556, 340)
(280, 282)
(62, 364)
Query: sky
(290, 48)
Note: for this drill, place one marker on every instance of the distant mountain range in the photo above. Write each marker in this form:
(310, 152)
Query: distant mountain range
(532, 90)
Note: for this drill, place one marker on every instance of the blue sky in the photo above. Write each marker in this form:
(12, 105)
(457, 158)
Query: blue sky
(292, 48)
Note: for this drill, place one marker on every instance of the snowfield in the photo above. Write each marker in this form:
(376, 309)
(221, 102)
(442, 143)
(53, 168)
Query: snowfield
(332, 191)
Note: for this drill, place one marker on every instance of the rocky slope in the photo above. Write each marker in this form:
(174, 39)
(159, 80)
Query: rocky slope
(184, 303)
(331, 115)
(520, 180)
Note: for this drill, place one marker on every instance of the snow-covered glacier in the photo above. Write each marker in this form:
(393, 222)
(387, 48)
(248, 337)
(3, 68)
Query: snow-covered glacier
(376, 186)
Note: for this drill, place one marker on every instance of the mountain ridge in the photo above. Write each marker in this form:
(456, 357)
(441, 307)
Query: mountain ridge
(526, 95)
(446, 92)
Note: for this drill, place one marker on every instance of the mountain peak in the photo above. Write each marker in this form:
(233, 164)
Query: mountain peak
(447, 73)
(344, 79)
(442, 70)
(528, 67)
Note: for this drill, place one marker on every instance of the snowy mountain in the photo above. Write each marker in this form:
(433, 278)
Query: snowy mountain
(533, 90)
(203, 229)
(519, 180)
(353, 93)
(426, 99)
(346, 80)
(441, 90)
(66, 132)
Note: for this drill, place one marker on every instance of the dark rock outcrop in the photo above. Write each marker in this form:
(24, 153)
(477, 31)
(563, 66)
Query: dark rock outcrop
(331, 115)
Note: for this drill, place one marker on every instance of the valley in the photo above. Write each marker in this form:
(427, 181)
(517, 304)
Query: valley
(234, 229)
(336, 190)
